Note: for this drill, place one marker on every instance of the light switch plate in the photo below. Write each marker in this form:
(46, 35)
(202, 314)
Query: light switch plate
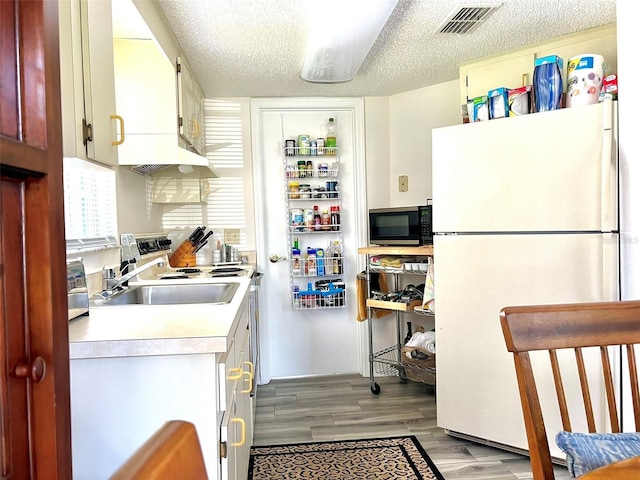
(231, 236)
(403, 183)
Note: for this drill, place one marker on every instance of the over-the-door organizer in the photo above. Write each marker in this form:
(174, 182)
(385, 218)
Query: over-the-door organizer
(314, 214)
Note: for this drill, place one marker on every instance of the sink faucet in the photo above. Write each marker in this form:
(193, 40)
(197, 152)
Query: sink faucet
(111, 283)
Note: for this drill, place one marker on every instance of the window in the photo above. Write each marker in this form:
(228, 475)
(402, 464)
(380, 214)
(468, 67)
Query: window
(225, 207)
(89, 205)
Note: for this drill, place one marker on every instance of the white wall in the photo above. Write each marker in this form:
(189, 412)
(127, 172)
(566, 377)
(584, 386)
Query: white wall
(136, 214)
(376, 117)
(629, 148)
(412, 115)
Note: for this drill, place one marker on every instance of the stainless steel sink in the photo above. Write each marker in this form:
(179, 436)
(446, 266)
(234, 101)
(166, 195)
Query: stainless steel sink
(171, 294)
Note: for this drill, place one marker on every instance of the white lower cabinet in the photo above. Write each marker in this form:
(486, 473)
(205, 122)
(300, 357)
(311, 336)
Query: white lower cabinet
(236, 427)
(118, 403)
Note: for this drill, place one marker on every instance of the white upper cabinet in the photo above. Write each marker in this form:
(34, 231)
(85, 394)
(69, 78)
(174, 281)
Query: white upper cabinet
(89, 120)
(147, 92)
(190, 108)
(146, 100)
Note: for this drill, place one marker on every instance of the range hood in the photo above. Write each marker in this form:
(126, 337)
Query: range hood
(189, 165)
(162, 156)
(183, 171)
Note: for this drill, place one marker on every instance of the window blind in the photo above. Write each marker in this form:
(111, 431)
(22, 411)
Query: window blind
(225, 204)
(89, 205)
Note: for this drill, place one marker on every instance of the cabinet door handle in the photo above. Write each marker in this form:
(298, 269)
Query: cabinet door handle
(36, 371)
(249, 374)
(195, 128)
(121, 121)
(243, 426)
(235, 373)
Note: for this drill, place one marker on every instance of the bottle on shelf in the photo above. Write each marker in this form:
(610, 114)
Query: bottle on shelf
(409, 334)
(312, 270)
(320, 262)
(296, 297)
(296, 268)
(336, 259)
(317, 218)
(326, 220)
(330, 142)
(335, 217)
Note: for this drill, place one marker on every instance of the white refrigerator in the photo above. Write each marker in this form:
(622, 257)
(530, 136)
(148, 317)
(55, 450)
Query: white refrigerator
(525, 212)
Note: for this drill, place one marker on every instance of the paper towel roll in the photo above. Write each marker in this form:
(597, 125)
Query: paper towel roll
(584, 79)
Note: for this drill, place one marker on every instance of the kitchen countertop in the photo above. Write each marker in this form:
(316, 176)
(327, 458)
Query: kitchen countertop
(139, 330)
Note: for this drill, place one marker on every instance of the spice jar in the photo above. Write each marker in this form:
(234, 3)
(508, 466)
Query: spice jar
(302, 168)
(294, 190)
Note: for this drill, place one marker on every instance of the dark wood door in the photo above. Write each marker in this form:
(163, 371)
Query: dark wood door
(34, 373)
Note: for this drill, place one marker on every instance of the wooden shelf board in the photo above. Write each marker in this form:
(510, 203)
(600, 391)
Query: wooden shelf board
(393, 305)
(378, 250)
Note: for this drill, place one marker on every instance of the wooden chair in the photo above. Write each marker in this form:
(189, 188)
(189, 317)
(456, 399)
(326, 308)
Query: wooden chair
(575, 327)
(172, 452)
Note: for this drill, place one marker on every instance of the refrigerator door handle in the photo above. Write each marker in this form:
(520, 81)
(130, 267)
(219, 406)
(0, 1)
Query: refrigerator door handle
(609, 175)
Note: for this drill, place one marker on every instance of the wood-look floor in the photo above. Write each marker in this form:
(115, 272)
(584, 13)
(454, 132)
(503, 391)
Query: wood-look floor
(342, 407)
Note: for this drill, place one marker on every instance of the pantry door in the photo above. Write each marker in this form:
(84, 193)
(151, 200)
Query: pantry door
(316, 341)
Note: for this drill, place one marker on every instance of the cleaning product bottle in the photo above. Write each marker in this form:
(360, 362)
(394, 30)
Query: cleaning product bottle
(330, 142)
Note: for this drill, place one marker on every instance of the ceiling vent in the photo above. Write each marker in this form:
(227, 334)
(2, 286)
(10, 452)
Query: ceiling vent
(466, 18)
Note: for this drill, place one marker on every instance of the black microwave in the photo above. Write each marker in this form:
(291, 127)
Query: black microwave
(401, 225)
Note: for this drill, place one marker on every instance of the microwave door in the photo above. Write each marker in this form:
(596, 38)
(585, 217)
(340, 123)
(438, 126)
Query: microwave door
(395, 226)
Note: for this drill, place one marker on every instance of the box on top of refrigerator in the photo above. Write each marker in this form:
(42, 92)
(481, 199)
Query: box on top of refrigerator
(498, 102)
(481, 108)
(519, 100)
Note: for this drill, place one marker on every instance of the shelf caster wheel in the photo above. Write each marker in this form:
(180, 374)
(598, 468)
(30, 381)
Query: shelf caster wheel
(375, 389)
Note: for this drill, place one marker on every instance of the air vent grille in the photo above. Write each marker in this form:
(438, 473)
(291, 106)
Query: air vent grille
(148, 168)
(466, 19)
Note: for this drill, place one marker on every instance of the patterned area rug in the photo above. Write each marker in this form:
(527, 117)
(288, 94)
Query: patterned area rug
(398, 458)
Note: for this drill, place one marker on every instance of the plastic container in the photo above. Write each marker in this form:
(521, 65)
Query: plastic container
(296, 268)
(585, 74)
(547, 83)
(296, 297)
(294, 190)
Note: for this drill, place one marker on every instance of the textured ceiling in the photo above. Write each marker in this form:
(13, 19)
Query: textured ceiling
(255, 48)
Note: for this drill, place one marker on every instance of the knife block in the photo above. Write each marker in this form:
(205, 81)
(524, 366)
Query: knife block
(183, 256)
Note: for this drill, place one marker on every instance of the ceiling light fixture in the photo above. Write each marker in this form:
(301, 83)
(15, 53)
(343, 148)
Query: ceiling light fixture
(341, 33)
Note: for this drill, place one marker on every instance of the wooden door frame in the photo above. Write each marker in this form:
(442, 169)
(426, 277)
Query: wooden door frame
(37, 161)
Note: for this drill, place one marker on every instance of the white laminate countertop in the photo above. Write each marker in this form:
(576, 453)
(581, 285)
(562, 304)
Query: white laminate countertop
(138, 330)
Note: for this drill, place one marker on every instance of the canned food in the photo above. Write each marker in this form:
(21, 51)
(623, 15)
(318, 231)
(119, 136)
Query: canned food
(294, 190)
